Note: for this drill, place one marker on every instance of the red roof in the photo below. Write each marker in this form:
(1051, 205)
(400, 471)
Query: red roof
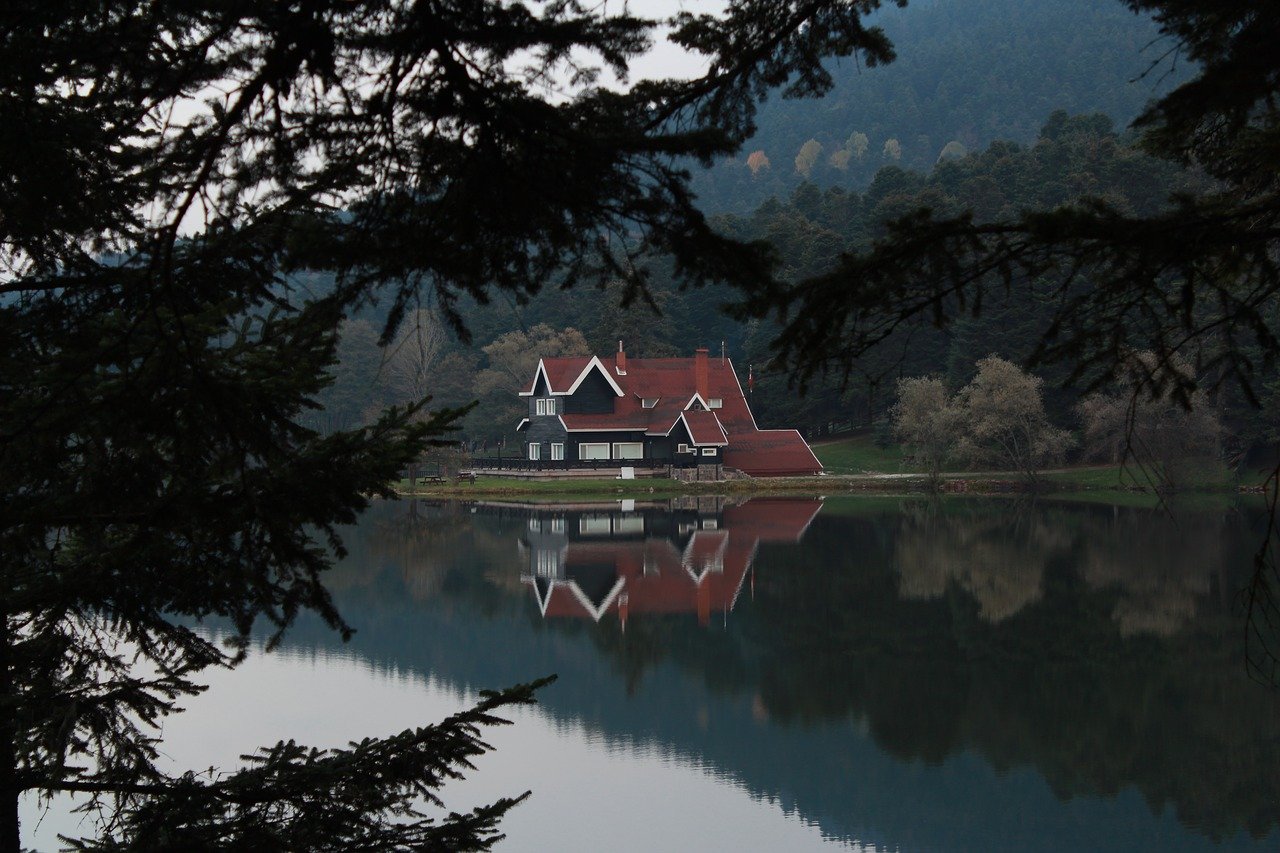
(771, 453)
(672, 383)
(704, 427)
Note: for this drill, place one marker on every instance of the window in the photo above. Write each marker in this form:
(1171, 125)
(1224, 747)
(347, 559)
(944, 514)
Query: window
(683, 448)
(547, 563)
(557, 451)
(535, 451)
(534, 527)
(628, 450)
(594, 525)
(648, 402)
(557, 525)
(540, 406)
(715, 403)
(593, 450)
(706, 451)
(710, 524)
(545, 406)
(629, 524)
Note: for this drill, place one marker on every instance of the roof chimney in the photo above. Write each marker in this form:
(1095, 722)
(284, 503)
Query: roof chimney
(700, 372)
(621, 366)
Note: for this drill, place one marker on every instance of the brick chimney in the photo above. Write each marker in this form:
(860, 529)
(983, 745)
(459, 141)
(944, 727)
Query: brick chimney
(621, 366)
(701, 381)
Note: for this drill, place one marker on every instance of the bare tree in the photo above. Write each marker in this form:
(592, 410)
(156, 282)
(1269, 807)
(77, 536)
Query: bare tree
(1004, 421)
(927, 422)
(1144, 425)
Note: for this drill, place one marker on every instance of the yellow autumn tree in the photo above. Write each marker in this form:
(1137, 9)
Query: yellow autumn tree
(808, 157)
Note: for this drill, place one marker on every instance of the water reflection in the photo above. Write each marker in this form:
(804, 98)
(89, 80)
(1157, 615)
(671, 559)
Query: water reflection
(969, 675)
(685, 556)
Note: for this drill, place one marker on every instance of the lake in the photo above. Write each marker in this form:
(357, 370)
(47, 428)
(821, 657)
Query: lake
(850, 673)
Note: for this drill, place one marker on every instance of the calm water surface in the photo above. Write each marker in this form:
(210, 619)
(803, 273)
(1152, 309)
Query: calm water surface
(866, 674)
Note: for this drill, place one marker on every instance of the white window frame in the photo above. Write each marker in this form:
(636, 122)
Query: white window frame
(635, 448)
(557, 451)
(539, 406)
(649, 402)
(535, 451)
(629, 524)
(715, 403)
(708, 451)
(595, 525)
(557, 525)
(582, 450)
(546, 563)
(683, 448)
(545, 406)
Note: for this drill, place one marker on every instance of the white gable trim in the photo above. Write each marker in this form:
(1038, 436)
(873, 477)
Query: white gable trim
(599, 365)
(686, 559)
(543, 370)
(750, 413)
(604, 605)
(750, 566)
(697, 443)
(698, 398)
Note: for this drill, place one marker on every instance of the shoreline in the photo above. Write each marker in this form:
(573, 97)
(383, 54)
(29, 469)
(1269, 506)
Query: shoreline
(977, 483)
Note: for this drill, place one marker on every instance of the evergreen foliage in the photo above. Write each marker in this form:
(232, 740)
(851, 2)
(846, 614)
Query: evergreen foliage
(174, 178)
(1198, 278)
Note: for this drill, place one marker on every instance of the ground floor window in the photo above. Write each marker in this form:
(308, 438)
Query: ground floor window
(547, 563)
(593, 450)
(628, 450)
(557, 451)
(535, 451)
(708, 451)
(683, 448)
(593, 525)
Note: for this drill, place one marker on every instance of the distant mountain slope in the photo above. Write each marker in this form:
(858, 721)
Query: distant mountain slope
(967, 72)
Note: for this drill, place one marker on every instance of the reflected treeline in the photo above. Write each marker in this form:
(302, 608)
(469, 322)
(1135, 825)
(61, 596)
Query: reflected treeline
(1159, 564)
(1097, 645)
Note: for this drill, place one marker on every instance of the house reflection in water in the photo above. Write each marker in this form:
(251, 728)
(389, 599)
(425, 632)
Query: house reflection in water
(690, 555)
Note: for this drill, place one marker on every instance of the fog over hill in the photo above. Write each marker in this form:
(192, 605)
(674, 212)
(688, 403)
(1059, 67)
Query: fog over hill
(967, 73)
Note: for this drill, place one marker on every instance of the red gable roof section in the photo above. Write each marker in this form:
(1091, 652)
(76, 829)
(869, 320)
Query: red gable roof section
(672, 381)
(704, 428)
(771, 453)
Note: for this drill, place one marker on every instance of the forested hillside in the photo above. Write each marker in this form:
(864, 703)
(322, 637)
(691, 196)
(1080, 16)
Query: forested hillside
(966, 74)
(1072, 157)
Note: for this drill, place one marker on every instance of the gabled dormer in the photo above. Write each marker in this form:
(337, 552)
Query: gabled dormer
(594, 392)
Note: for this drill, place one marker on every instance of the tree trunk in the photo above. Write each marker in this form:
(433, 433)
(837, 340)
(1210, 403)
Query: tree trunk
(9, 790)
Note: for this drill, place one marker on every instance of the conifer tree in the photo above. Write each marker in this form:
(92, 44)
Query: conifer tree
(168, 172)
(1197, 280)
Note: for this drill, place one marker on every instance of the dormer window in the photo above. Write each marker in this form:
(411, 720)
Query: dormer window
(715, 403)
(545, 406)
(648, 402)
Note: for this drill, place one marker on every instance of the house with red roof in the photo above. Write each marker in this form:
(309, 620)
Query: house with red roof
(651, 413)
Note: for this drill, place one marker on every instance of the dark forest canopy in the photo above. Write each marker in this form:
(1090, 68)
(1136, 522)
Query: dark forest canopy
(164, 169)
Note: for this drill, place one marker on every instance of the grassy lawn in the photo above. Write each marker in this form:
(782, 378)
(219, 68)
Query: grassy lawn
(858, 455)
(1189, 475)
